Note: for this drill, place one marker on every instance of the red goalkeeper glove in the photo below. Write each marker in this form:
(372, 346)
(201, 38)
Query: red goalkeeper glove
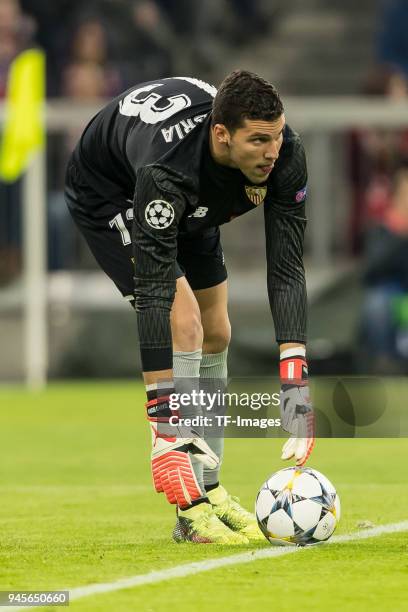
(172, 447)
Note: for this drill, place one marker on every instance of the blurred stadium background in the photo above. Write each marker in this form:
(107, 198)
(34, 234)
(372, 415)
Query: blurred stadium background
(341, 68)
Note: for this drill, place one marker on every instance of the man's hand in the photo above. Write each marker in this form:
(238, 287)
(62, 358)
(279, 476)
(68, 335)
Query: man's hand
(298, 419)
(297, 414)
(172, 446)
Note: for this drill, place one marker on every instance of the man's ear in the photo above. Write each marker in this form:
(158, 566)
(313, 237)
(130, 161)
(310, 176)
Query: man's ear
(221, 134)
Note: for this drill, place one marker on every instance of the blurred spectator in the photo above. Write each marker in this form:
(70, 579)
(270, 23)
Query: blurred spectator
(384, 331)
(234, 21)
(375, 154)
(205, 33)
(85, 81)
(89, 57)
(82, 81)
(54, 23)
(145, 44)
(392, 42)
(145, 39)
(89, 42)
(16, 34)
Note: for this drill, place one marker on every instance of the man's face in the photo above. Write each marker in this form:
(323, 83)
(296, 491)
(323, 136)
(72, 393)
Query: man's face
(254, 147)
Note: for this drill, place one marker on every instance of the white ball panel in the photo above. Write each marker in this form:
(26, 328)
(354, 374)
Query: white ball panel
(280, 524)
(306, 513)
(279, 480)
(264, 503)
(325, 481)
(325, 527)
(306, 486)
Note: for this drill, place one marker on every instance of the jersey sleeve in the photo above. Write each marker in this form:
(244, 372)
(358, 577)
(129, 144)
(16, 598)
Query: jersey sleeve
(285, 223)
(158, 207)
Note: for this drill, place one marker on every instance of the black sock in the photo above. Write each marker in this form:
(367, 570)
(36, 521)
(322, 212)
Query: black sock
(211, 486)
(197, 502)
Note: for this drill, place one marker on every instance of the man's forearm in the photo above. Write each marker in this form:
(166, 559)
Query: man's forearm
(155, 338)
(289, 311)
(289, 345)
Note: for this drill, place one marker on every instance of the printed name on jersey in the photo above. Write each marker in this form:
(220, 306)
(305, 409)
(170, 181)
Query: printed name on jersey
(256, 194)
(200, 212)
(182, 128)
(159, 214)
(135, 104)
(301, 195)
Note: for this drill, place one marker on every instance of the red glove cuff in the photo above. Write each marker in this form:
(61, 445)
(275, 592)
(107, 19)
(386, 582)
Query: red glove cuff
(293, 371)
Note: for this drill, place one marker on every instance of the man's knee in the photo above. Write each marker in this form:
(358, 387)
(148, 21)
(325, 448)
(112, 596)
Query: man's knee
(187, 332)
(217, 336)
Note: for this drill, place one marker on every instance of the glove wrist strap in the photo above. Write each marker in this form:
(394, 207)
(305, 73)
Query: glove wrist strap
(293, 370)
(159, 411)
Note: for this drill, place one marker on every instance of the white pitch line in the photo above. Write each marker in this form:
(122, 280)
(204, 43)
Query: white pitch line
(187, 569)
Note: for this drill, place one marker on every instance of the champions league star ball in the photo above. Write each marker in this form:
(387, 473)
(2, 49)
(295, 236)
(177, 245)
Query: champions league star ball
(159, 214)
(297, 506)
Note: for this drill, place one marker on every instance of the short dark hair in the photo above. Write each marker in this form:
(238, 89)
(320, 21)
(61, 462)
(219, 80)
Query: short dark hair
(245, 95)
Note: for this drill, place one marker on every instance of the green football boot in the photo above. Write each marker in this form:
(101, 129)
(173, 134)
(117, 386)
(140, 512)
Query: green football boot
(233, 515)
(201, 525)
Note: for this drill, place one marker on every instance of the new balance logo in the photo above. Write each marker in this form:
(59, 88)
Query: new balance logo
(200, 212)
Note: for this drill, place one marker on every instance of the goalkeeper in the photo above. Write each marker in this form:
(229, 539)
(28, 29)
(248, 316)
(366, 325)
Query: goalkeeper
(154, 175)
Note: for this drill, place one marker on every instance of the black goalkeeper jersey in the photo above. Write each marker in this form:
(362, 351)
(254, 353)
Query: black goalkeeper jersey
(150, 146)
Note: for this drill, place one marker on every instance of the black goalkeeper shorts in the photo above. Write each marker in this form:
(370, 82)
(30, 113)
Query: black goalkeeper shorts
(106, 227)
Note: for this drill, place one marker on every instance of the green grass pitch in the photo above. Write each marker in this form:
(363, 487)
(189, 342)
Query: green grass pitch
(77, 507)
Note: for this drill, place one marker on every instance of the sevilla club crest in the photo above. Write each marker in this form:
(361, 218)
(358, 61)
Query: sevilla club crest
(256, 194)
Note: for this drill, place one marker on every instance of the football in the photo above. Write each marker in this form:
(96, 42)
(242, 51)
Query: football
(297, 506)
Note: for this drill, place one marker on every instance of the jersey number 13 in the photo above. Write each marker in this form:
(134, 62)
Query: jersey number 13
(143, 103)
